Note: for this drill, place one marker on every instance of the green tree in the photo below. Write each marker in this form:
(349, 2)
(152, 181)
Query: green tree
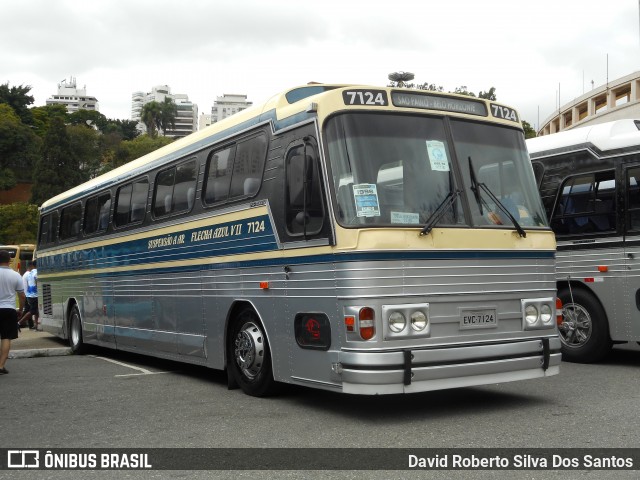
(18, 223)
(19, 148)
(88, 118)
(529, 131)
(129, 150)
(489, 95)
(430, 86)
(17, 98)
(151, 116)
(85, 143)
(43, 115)
(169, 111)
(159, 117)
(57, 168)
(462, 90)
(127, 129)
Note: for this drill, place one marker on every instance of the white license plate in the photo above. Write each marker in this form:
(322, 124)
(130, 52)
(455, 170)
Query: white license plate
(485, 318)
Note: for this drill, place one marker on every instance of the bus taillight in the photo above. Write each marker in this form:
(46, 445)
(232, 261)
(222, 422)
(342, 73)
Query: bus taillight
(559, 318)
(366, 323)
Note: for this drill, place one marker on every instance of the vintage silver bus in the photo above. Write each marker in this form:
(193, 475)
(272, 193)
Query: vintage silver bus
(351, 238)
(589, 180)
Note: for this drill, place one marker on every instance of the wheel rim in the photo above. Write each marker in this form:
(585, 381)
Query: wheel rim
(75, 330)
(577, 326)
(249, 350)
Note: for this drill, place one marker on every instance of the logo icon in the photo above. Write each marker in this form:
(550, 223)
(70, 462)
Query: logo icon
(23, 458)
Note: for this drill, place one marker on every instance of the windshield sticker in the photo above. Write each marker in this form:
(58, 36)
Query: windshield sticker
(437, 156)
(405, 217)
(366, 200)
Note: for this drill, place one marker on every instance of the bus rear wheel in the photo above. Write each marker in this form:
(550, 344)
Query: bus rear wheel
(584, 331)
(248, 355)
(75, 332)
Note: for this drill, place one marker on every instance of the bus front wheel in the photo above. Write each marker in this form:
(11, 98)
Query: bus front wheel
(584, 331)
(248, 355)
(75, 332)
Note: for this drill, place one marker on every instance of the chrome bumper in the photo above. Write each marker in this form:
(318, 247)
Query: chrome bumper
(419, 370)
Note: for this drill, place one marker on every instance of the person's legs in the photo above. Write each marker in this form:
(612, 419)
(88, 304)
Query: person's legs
(5, 346)
(8, 331)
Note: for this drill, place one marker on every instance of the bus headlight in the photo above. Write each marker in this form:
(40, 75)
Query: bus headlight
(531, 314)
(537, 313)
(406, 321)
(546, 314)
(397, 322)
(418, 321)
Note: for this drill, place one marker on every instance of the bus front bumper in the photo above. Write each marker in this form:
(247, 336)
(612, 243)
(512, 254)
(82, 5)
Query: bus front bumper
(421, 370)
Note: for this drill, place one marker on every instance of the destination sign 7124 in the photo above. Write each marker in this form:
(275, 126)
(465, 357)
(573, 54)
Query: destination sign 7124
(365, 97)
(506, 113)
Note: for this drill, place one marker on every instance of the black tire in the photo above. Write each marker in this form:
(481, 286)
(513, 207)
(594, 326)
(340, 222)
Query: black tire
(76, 342)
(584, 331)
(249, 356)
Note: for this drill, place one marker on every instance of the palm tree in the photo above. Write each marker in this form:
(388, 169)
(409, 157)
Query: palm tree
(169, 112)
(151, 116)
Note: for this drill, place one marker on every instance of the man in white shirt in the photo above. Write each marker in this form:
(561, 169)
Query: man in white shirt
(10, 285)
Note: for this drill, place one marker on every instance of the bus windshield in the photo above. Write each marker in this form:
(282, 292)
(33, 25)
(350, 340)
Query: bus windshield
(397, 170)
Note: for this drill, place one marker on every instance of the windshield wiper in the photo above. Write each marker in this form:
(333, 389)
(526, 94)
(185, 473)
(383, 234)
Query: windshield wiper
(474, 187)
(439, 212)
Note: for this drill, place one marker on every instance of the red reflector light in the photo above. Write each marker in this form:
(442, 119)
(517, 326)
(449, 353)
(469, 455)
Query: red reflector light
(559, 318)
(264, 285)
(350, 323)
(588, 280)
(603, 268)
(366, 323)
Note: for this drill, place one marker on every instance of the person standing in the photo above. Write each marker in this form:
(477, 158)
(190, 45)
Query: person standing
(30, 283)
(10, 285)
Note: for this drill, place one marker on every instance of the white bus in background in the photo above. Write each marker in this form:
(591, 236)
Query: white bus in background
(589, 180)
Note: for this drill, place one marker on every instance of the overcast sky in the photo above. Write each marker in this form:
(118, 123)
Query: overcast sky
(203, 48)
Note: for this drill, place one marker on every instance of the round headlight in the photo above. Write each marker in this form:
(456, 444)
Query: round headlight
(418, 321)
(545, 314)
(531, 314)
(397, 322)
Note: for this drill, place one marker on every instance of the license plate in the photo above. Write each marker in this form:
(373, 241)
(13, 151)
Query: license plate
(486, 318)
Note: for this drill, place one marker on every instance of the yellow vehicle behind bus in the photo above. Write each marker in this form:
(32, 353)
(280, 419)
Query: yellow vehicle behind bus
(21, 256)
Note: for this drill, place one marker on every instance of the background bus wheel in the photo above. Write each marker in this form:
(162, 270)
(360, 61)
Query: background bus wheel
(584, 331)
(248, 355)
(75, 332)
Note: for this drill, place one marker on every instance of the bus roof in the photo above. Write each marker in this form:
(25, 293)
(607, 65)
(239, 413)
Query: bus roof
(283, 109)
(602, 136)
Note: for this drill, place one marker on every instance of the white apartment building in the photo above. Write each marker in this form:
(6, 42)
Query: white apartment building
(72, 97)
(186, 119)
(227, 105)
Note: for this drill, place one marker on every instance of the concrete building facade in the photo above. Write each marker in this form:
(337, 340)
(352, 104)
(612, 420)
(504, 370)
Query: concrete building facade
(186, 118)
(227, 105)
(616, 100)
(73, 98)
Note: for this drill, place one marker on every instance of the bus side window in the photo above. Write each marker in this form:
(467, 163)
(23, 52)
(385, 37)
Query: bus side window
(70, 221)
(131, 202)
(175, 189)
(247, 167)
(96, 213)
(305, 212)
(633, 198)
(219, 168)
(48, 228)
(586, 205)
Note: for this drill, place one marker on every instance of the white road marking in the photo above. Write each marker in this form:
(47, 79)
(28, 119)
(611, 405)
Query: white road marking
(143, 371)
